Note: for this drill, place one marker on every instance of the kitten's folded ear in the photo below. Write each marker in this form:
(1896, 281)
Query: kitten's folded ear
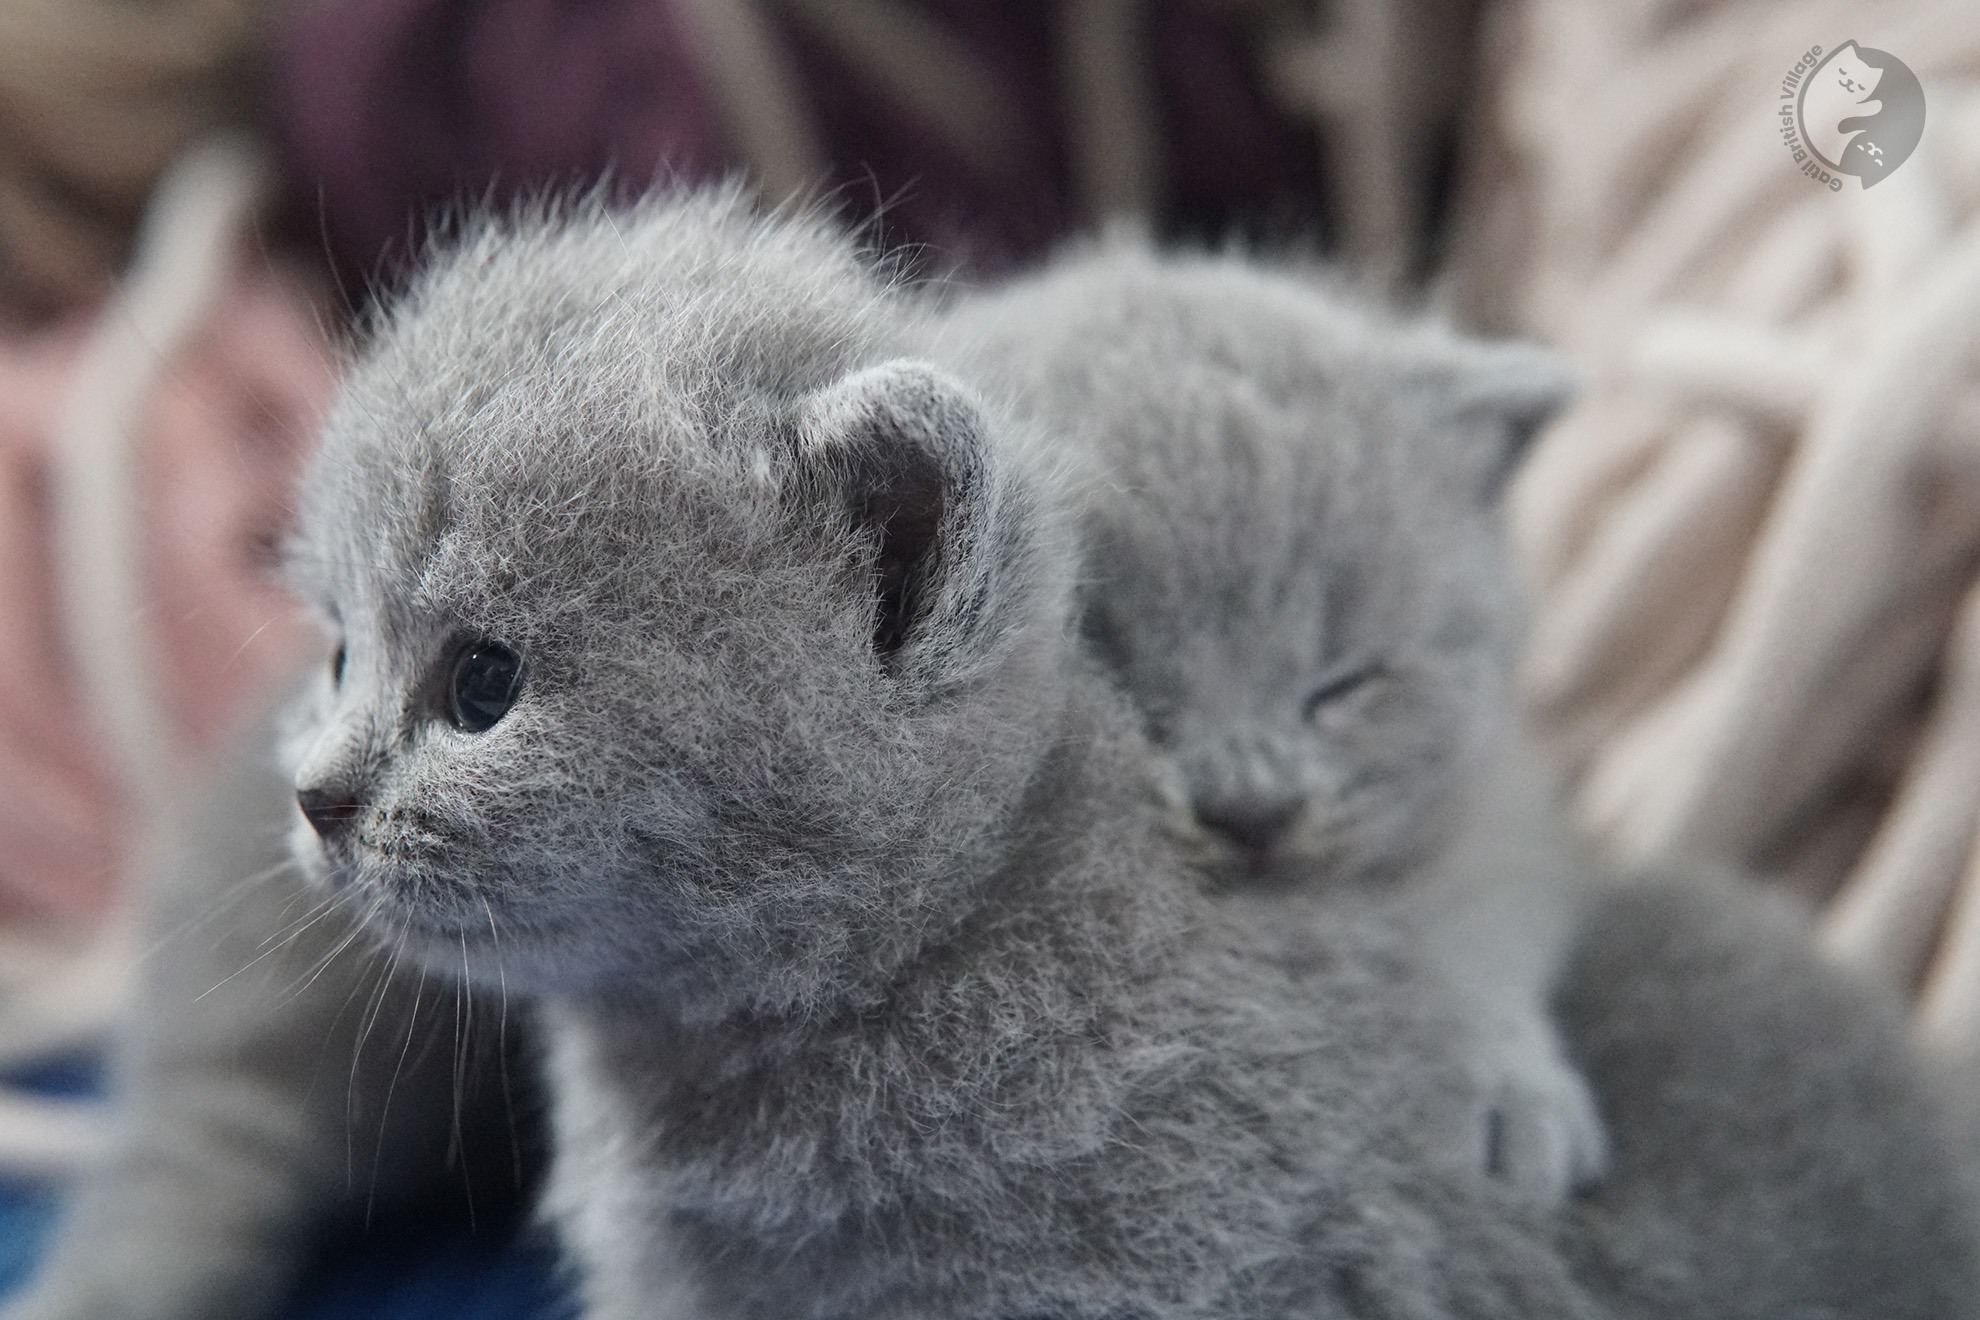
(1505, 394)
(901, 449)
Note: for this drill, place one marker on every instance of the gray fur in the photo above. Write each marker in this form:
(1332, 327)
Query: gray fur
(1776, 1150)
(1294, 568)
(873, 981)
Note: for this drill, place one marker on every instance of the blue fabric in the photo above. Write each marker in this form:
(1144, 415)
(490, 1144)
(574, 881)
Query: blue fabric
(444, 1271)
(26, 1215)
(449, 1274)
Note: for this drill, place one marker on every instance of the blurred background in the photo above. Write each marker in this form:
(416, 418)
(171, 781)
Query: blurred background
(1752, 544)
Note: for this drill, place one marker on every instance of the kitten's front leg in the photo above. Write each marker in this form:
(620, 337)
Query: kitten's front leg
(1539, 1127)
(607, 1206)
(1497, 914)
(1535, 1124)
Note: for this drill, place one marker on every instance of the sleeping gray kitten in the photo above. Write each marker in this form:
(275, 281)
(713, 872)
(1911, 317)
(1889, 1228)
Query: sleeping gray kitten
(1294, 568)
(709, 676)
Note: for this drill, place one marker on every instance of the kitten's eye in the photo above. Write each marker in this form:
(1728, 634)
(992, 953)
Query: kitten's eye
(1343, 684)
(337, 667)
(486, 679)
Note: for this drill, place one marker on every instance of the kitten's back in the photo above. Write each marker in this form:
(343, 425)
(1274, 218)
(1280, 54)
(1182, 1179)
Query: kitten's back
(1777, 1148)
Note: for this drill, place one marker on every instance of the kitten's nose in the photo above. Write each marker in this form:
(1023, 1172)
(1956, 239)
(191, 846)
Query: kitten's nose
(328, 811)
(1254, 824)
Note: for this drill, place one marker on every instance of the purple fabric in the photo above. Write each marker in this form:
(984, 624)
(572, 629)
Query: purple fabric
(388, 111)
(1233, 161)
(926, 191)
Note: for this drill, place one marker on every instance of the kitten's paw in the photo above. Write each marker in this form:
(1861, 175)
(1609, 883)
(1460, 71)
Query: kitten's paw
(1542, 1132)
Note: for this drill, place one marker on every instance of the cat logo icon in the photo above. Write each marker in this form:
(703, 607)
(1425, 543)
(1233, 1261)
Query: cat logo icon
(1854, 111)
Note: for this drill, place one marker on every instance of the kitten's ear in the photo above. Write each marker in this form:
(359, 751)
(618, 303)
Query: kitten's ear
(1505, 394)
(900, 447)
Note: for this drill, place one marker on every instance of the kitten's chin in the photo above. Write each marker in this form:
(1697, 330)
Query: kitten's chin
(455, 930)
(1309, 853)
(466, 943)
(1282, 867)
(537, 962)
(1223, 864)
(450, 947)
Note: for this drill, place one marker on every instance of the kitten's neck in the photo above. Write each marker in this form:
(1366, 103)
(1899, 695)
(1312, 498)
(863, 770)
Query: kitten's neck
(1503, 895)
(1511, 812)
(1000, 1015)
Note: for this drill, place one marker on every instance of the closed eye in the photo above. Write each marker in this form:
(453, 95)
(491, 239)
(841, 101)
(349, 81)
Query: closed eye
(1341, 684)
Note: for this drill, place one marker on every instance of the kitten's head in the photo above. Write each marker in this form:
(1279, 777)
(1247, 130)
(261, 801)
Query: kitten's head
(689, 640)
(1319, 632)
(1294, 563)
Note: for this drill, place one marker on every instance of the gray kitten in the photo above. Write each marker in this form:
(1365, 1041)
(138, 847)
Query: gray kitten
(709, 675)
(1295, 570)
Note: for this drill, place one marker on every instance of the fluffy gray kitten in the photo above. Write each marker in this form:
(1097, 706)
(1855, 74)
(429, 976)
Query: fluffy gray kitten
(709, 676)
(1294, 568)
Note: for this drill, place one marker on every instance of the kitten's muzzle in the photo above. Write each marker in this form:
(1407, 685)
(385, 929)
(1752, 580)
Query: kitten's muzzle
(329, 811)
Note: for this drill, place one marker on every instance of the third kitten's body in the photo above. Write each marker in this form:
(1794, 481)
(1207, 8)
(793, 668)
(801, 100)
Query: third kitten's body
(1292, 567)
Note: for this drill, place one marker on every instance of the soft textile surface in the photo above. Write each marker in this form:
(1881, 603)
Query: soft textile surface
(96, 97)
(1758, 627)
(443, 1274)
(437, 1271)
(984, 131)
(446, 1273)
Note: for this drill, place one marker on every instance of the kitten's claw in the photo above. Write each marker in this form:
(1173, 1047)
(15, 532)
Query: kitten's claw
(1543, 1134)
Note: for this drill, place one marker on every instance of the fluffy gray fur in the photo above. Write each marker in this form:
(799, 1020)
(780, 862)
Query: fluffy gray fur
(873, 982)
(1775, 1151)
(1294, 568)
